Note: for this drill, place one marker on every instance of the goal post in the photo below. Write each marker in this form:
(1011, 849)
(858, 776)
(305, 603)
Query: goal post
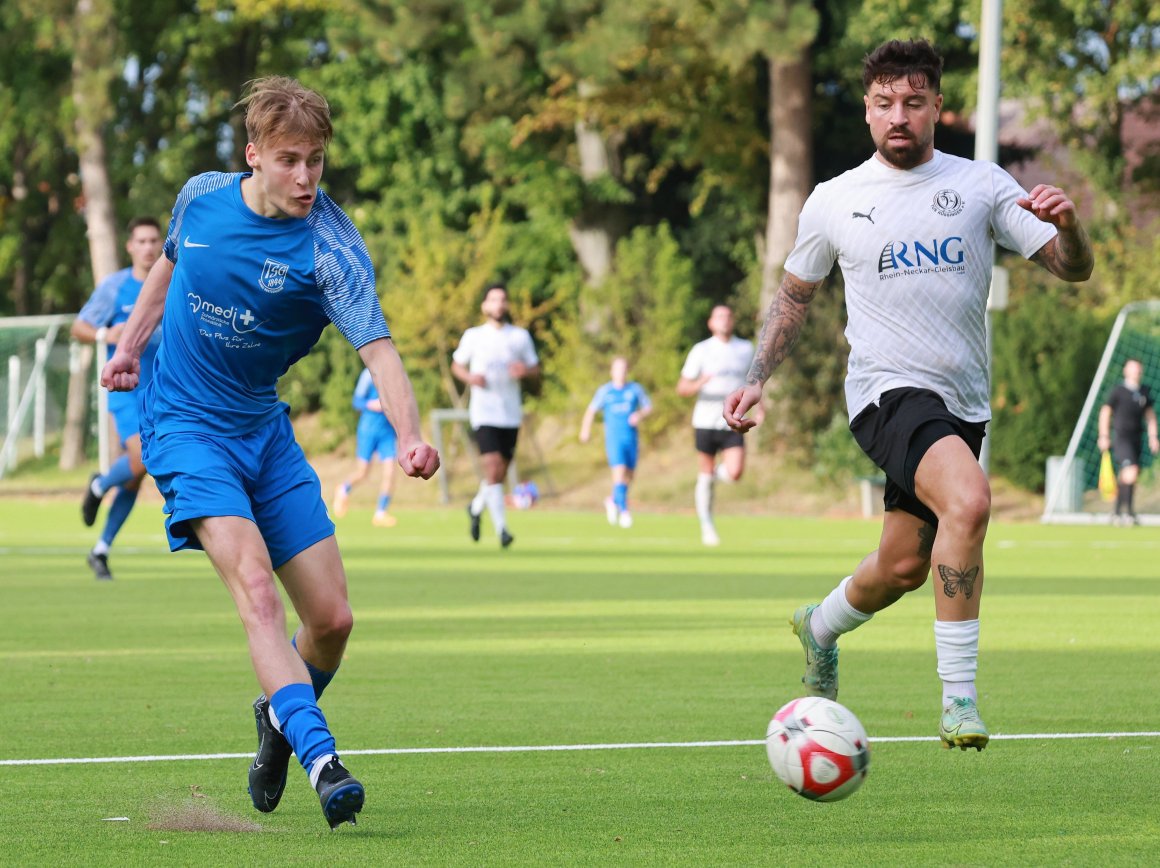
(1071, 495)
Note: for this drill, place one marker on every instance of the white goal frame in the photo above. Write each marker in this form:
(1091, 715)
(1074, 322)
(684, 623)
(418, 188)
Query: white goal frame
(1061, 474)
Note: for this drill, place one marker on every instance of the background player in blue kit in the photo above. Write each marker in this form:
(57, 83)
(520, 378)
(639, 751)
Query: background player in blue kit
(623, 405)
(256, 265)
(102, 319)
(375, 437)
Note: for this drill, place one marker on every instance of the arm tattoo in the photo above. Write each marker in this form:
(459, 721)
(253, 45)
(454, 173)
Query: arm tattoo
(926, 535)
(1068, 255)
(783, 324)
(958, 580)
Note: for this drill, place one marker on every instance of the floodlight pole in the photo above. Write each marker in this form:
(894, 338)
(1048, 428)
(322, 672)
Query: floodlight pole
(987, 148)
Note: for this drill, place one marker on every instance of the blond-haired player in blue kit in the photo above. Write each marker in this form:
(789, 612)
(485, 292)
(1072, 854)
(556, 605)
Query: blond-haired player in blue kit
(256, 264)
(912, 229)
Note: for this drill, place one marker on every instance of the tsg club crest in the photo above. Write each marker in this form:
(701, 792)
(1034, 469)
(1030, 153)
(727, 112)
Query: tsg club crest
(273, 277)
(947, 202)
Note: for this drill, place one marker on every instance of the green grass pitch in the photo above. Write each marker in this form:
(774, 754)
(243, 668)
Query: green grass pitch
(580, 634)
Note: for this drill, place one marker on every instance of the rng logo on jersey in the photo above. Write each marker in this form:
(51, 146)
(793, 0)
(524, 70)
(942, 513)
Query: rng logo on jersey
(899, 257)
(273, 277)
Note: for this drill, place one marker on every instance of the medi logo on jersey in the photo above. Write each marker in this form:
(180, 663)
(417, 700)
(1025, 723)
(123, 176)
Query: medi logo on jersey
(214, 318)
(938, 256)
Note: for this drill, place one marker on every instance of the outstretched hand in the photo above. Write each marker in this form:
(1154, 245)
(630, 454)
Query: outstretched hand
(740, 402)
(1051, 205)
(122, 373)
(420, 461)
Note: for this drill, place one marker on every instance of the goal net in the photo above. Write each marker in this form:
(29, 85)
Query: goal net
(1072, 495)
(34, 374)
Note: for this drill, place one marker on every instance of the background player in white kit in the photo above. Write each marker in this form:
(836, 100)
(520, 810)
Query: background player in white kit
(493, 358)
(714, 368)
(912, 230)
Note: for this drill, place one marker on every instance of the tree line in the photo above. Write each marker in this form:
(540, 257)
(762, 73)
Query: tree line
(622, 167)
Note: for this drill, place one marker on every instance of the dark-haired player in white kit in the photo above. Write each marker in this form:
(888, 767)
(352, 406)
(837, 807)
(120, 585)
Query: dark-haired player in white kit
(492, 359)
(912, 229)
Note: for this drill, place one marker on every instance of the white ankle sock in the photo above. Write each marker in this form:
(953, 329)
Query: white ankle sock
(101, 547)
(836, 616)
(480, 500)
(495, 507)
(703, 497)
(317, 766)
(956, 645)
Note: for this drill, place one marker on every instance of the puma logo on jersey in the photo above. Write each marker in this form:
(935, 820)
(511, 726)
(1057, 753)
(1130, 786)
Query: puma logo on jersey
(855, 215)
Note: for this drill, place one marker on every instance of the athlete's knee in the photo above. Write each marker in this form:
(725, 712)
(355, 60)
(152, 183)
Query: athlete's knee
(907, 573)
(330, 626)
(259, 603)
(967, 513)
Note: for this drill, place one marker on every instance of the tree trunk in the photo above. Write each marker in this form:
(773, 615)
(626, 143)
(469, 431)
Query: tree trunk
(790, 161)
(93, 69)
(596, 229)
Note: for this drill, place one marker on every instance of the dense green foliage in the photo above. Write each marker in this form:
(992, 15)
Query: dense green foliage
(457, 154)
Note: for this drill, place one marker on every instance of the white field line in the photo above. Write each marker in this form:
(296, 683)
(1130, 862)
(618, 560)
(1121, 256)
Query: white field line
(546, 748)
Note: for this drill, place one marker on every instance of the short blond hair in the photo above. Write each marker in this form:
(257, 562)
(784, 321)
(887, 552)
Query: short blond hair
(278, 107)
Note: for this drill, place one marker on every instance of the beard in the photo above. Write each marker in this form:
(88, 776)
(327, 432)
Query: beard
(903, 155)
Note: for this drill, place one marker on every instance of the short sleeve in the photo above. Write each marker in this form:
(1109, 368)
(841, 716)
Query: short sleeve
(692, 367)
(101, 306)
(462, 354)
(642, 397)
(813, 253)
(529, 350)
(196, 186)
(1013, 227)
(598, 399)
(344, 273)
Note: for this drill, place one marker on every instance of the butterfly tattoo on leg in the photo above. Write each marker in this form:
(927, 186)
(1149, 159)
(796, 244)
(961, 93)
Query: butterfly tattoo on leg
(958, 580)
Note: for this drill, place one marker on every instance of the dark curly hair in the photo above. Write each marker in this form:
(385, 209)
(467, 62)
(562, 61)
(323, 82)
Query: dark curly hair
(915, 59)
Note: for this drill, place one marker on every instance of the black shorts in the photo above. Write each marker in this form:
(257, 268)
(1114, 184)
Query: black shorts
(1126, 451)
(491, 439)
(897, 433)
(712, 440)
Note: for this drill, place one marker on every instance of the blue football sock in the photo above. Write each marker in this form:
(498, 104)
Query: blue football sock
(318, 677)
(118, 512)
(384, 502)
(620, 496)
(301, 721)
(119, 473)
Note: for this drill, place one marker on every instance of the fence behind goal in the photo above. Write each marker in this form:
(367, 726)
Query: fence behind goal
(34, 376)
(1072, 495)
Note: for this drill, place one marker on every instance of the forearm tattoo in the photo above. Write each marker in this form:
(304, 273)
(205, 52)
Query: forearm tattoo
(783, 324)
(1068, 255)
(926, 535)
(958, 580)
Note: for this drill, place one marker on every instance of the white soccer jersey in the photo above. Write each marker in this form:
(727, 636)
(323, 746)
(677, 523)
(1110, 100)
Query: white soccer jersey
(489, 350)
(728, 362)
(915, 251)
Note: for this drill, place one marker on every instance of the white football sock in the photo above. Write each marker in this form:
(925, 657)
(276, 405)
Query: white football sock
(480, 500)
(956, 644)
(703, 497)
(101, 547)
(317, 766)
(836, 616)
(495, 507)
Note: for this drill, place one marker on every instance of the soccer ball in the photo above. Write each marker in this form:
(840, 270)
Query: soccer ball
(818, 748)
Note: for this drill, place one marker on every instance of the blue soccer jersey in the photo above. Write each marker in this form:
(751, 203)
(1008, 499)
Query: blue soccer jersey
(250, 295)
(616, 405)
(111, 304)
(375, 433)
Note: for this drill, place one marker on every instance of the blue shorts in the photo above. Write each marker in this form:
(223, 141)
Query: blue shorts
(262, 476)
(124, 407)
(622, 453)
(380, 439)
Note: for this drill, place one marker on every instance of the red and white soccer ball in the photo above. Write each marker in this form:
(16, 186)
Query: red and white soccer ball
(818, 748)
